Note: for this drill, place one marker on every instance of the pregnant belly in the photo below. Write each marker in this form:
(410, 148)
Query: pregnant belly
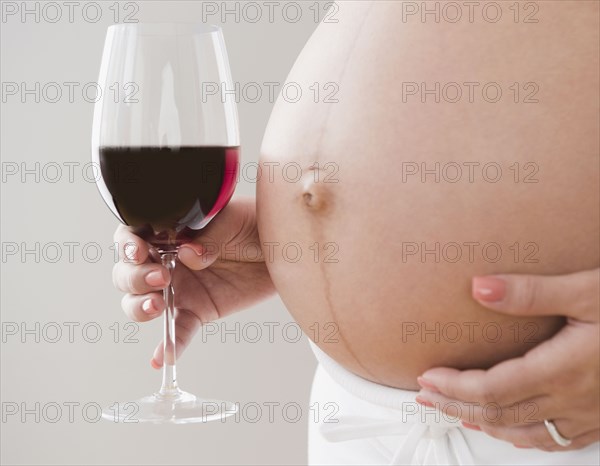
(379, 208)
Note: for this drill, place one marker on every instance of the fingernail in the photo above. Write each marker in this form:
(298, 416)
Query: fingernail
(197, 248)
(155, 278)
(428, 384)
(130, 250)
(488, 289)
(424, 402)
(148, 306)
(154, 364)
(520, 446)
(470, 426)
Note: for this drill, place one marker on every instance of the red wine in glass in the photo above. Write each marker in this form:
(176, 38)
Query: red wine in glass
(167, 194)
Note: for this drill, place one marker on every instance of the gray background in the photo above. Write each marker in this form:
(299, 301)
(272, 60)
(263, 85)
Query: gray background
(38, 291)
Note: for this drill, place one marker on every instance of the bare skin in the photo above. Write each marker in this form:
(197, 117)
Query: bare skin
(364, 281)
(210, 284)
(375, 294)
(564, 391)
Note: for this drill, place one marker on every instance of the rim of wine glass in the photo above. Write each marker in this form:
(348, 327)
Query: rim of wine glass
(162, 28)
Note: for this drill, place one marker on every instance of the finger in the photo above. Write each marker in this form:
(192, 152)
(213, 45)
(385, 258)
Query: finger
(132, 248)
(489, 414)
(537, 436)
(577, 425)
(195, 256)
(186, 326)
(584, 440)
(513, 424)
(142, 308)
(495, 385)
(232, 235)
(574, 295)
(140, 279)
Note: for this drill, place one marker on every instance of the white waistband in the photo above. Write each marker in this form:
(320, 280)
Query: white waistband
(364, 389)
(404, 416)
(443, 439)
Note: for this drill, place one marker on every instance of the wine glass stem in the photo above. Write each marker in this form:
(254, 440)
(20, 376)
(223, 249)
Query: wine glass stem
(169, 382)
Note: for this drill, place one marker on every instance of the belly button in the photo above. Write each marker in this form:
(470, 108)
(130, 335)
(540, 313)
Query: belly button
(314, 196)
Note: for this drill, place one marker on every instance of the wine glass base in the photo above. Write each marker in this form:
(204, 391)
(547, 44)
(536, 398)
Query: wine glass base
(178, 408)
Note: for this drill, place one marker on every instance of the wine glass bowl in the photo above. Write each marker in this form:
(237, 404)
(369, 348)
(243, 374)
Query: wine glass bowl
(168, 160)
(199, 181)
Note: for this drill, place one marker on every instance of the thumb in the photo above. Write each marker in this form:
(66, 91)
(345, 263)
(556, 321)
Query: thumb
(574, 295)
(186, 326)
(227, 236)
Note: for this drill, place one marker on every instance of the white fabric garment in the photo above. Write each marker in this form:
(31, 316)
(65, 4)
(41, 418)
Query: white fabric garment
(375, 424)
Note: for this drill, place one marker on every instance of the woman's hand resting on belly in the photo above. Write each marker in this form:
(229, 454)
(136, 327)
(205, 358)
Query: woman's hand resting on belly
(559, 380)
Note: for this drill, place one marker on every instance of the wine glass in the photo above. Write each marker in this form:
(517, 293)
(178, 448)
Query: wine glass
(168, 159)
